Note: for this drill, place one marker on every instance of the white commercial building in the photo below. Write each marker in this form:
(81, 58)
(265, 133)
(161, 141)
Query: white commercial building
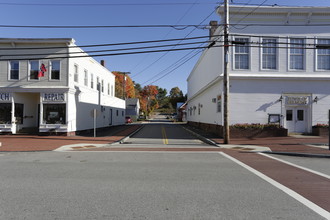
(51, 85)
(279, 69)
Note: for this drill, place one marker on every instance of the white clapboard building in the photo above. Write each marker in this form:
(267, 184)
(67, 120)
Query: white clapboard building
(51, 85)
(279, 69)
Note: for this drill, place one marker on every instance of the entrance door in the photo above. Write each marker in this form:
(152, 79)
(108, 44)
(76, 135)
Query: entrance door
(296, 119)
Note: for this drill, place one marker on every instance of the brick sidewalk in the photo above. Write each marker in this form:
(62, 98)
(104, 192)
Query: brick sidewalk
(49, 143)
(291, 144)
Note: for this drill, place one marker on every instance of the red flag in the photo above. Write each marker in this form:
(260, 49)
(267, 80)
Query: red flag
(42, 70)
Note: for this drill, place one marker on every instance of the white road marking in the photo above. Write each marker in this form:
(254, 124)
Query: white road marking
(285, 189)
(295, 165)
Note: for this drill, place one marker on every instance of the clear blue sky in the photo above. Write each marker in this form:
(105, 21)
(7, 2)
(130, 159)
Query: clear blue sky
(144, 68)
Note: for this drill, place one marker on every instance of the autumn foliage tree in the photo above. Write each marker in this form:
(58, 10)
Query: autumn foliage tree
(148, 100)
(120, 83)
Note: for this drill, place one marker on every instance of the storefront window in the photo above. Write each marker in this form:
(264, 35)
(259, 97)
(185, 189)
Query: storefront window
(54, 113)
(5, 113)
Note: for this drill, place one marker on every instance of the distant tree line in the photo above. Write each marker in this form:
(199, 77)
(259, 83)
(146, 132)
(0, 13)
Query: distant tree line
(151, 97)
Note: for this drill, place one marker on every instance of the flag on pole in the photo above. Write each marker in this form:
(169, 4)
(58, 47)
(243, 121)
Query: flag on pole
(42, 70)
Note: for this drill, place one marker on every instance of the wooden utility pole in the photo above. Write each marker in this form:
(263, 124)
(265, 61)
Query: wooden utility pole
(226, 131)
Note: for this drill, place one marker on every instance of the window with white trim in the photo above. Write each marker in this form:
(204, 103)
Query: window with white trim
(92, 80)
(242, 54)
(33, 70)
(269, 54)
(76, 70)
(55, 69)
(108, 88)
(323, 54)
(102, 86)
(86, 78)
(14, 70)
(297, 53)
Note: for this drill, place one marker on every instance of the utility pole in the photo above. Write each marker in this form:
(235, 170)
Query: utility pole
(226, 131)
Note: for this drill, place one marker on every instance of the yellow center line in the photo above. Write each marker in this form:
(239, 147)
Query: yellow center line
(165, 140)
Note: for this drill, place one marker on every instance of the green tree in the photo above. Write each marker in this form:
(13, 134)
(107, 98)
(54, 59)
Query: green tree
(176, 96)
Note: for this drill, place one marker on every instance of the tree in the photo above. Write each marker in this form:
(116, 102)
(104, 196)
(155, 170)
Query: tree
(148, 100)
(119, 85)
(176, 96)
(162, 97)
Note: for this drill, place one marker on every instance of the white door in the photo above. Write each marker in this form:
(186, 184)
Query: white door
(296, 119)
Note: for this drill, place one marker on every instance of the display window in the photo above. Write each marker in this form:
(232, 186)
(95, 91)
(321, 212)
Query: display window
(54, 113)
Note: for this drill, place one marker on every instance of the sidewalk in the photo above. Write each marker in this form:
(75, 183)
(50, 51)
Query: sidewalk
(26, 143)
(298, 145)
(292, 145)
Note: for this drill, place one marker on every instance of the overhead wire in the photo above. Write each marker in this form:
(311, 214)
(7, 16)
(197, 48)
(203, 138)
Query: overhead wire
(184, 55)
(101, 45)
(184, 15)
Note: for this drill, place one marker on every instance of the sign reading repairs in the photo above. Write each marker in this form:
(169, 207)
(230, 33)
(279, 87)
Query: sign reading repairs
(296, 100)
(4, 97)
(53, 97)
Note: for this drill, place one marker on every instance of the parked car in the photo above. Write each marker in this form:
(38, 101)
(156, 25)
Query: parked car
(128, 120)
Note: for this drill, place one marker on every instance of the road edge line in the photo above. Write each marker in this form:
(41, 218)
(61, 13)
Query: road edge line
(317, 209)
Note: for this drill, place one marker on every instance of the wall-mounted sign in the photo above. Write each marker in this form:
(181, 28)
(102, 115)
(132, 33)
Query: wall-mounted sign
(291, 100)
(5, 97)
(53, 97)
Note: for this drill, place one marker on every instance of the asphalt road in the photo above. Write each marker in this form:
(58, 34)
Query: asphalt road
(117, 185)
(156, 185)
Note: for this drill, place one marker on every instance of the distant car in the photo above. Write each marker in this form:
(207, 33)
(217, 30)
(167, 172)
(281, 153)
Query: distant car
(128, 119)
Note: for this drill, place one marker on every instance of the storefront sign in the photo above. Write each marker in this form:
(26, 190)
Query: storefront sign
(296, 100)
(53, 97)
(4, 96)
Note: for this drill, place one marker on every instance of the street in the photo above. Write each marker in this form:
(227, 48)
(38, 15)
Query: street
(183, 184)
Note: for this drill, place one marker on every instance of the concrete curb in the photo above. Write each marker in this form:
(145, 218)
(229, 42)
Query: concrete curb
(299, 154)
(200, 137)
(121, 141)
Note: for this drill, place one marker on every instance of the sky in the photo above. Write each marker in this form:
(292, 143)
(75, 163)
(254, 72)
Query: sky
(164, 69)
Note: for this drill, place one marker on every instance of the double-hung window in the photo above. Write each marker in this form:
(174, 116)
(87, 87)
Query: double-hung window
(86, 78)
(102, 85)
(92, 80)
(242, 54)
(76, 72)
(297, 54)
(323, 54)
(269, 54)
(34, 70)
(55, 69)
(14, 70)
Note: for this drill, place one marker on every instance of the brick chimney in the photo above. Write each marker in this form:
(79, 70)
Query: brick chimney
(213, 28)
(103, 63)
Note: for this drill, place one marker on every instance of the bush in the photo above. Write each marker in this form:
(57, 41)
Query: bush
(321, 126)
(254, 126)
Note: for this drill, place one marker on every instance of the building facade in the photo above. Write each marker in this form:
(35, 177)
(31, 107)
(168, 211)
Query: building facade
(51, 85)
(279, 69)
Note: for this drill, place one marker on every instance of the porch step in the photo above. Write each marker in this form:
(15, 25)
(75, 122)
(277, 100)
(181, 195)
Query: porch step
(29, 130)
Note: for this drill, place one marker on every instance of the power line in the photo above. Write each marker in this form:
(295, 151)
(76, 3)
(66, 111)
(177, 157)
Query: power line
(184, 15)
(99, 51)
(176, 67)
(180, 41)
(101, 45)
(100, 55)
(104, 4)
(177, 27)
